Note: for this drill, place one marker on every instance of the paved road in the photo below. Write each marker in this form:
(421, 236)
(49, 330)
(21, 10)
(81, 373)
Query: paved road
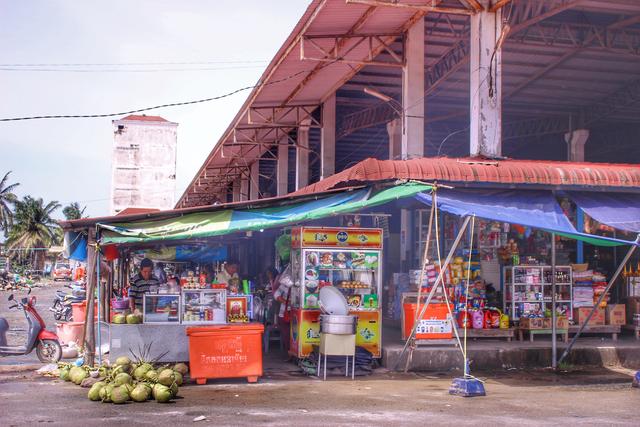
(284, 398)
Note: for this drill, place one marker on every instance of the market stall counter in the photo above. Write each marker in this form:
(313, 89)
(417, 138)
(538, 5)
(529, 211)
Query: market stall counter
(166, 317)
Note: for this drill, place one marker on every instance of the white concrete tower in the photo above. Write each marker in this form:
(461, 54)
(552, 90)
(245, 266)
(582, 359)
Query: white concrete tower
(143, 164)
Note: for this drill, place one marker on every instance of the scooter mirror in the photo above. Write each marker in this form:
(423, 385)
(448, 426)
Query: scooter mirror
(11, 297)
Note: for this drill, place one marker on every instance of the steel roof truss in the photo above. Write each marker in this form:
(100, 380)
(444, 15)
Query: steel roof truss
(314, 48)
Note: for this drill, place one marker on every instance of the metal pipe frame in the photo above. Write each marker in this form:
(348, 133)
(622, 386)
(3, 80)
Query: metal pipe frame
(434, 288)
(375, 44)
(602, 296)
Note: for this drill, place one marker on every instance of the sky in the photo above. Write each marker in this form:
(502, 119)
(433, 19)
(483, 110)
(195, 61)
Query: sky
(69, 160)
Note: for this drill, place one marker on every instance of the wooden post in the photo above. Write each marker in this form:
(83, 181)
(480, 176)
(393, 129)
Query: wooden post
(89, 331)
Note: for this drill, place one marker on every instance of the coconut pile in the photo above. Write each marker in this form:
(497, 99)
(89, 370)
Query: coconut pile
(125, 380)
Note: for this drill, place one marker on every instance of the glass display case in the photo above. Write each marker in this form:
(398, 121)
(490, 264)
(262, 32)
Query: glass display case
(348, 259)
(161, 308)
(204, 306)
(528, 290)
(354, 272)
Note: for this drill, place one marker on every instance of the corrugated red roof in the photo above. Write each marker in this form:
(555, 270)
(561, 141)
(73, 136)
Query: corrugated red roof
(136, 211)
(145, 118)
(483, 171)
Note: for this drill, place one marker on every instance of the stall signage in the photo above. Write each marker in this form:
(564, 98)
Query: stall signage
(341, 237)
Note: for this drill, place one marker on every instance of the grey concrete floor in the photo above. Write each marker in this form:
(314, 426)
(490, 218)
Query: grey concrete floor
(286, 398)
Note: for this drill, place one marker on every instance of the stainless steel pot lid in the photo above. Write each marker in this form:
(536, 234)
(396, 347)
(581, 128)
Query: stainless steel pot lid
(332, 301)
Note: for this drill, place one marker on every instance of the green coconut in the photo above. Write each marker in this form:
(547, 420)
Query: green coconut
(64, 373)
(140, 393)
(119, 395)
(129, 388)
(133, 319)
(161, 393)
(151, 375)
(119, 319)
(105, 393)
(104, 371)
(123, 360)
(94, 391)
(174, 390)
(122, 378)
(77, 374)
(166, 377)
(178, 377)
(140, 372)
(182, 368)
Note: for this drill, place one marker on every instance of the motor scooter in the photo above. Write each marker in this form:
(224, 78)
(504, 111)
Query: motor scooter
(61, 306)
(45, 342)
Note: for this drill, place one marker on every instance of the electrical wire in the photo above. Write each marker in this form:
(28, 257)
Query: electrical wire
(156, 107)
(113, 70)
(129, 64)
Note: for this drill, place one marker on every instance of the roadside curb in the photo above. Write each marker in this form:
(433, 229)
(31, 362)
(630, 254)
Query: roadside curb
(5, 369)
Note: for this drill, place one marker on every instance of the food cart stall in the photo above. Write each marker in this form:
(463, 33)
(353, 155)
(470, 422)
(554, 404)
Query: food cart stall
(348, 259)
(168, 312)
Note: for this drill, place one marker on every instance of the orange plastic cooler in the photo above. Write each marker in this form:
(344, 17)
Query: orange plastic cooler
(225, 351)
(435, 323)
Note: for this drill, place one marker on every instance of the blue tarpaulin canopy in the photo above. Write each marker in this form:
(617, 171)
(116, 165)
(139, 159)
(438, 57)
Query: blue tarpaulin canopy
(536, 209)
(618, 210)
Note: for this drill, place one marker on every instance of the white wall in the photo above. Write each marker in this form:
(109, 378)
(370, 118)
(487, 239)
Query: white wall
(143, 171)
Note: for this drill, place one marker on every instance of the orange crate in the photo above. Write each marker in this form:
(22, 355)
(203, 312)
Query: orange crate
(436, 323)
(225, 351)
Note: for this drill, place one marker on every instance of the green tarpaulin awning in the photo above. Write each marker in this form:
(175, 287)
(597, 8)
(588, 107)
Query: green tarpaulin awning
(225, 221)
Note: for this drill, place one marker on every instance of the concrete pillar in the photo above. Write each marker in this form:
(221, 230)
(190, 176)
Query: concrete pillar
(328, 138)
(485, 87)
(244, 186)
(394, 130)
(236, 190)
(254, 181)
(302, 157)
(282, 168)
(576, 141)
(413, 92)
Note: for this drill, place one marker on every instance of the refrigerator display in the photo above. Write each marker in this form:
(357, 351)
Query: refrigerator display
(161, 308)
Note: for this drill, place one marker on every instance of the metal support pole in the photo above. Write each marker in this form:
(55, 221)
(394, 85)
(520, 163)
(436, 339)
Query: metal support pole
(99, 285)
(439, 280)
(554, 338)
(611, 282)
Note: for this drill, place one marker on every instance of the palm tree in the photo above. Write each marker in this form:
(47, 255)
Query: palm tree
(7, 198)
(33, 228)
(73, 211)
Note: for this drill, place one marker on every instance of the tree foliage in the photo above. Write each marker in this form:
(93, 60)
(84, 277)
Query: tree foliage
(33, 225)
(73, 211)
(7, 199)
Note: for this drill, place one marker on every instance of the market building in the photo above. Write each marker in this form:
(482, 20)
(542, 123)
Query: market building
(466, 141)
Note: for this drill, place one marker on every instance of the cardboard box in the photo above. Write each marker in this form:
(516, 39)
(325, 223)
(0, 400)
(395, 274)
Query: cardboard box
(580, 315)
(532, 323)
(615, 314)
(546, 323)
(633, 306)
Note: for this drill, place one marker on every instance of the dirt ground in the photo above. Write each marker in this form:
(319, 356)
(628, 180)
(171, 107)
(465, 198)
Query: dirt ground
(284, 396)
